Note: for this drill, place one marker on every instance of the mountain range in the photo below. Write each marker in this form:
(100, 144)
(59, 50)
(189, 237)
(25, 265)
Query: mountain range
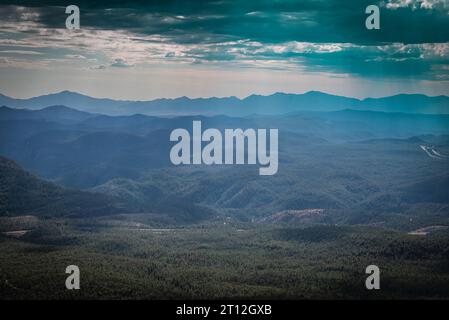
(275, 104)
(353, 166)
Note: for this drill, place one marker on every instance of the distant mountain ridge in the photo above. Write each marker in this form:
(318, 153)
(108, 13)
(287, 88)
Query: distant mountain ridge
(275, 104)
(51, 113)
(345, 162)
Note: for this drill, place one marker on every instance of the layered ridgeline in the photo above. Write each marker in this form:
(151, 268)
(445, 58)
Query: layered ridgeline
(350, 166)
(275, 104)
(22, 193)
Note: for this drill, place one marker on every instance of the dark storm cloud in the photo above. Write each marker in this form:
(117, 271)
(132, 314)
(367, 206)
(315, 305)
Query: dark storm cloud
(225, 30)
(262, 20)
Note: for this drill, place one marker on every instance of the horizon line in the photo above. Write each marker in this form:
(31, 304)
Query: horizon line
(224, 97)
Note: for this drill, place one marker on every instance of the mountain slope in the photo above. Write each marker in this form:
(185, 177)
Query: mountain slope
(22, 193)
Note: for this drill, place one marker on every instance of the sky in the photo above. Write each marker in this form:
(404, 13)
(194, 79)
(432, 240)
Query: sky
(141, 50)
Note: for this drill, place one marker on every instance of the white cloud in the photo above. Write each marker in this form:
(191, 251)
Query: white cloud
(417, 4)
(75, 56)
(120, 63)
(21, 52)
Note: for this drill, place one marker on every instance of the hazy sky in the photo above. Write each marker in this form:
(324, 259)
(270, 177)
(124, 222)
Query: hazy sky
(150, 49)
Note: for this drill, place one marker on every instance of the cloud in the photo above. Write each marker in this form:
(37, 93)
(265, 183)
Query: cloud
(120, 63)
(20, 52)
(117, 63)
(99, 67)
(266, 21)
(418, 4)
(313, 36)
(75, 56)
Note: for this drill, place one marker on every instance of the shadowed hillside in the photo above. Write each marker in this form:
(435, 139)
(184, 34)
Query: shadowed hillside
(22, 193)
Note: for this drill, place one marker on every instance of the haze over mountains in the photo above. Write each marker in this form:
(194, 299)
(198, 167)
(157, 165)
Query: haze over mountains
(353, 166)
(275, 104)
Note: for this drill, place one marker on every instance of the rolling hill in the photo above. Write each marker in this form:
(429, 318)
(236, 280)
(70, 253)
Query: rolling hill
(22, 193)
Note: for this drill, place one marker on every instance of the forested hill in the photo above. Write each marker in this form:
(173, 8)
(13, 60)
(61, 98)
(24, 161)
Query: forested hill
(22, 193)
